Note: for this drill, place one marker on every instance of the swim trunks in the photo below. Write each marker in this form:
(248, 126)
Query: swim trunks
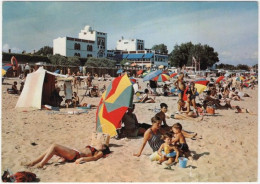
(184, 147)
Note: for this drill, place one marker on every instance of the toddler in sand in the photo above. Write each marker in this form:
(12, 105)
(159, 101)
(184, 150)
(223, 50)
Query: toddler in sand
(168, 151)
(180, 140)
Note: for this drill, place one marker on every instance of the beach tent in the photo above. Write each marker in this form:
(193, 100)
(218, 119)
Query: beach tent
(37, 89)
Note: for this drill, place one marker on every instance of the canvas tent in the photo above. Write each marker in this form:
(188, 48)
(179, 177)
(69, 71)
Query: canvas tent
(37, 89)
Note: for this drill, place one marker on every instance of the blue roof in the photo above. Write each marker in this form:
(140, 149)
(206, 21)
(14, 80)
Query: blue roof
(148, 55)
(162, 56)
(125, 56)
(135, 56)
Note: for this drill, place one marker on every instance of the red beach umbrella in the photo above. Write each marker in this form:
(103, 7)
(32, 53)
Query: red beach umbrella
(220, 79)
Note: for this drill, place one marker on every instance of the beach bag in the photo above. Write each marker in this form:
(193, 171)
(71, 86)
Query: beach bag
(99, 138)
(22, 176)
(210, 110)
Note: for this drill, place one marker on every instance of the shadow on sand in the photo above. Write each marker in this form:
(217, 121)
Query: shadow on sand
(197, 156)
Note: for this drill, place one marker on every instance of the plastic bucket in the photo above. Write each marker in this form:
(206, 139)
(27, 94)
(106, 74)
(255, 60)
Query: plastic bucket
(183, 162)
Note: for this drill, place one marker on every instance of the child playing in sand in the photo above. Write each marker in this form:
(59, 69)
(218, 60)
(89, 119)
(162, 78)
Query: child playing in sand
(180, 140)
(168, 151)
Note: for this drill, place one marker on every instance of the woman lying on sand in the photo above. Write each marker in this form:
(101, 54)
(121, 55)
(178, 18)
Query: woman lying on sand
(71, 155)
(243, 110)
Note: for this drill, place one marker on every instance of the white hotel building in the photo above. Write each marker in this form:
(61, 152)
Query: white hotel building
(134, 51)
(90, 43)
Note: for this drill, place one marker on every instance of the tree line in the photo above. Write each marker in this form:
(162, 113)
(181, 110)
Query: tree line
(181, 55)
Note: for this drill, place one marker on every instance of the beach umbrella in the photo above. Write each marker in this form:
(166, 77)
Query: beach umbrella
(133, 80)
(146, 72)
(240, 78)
(57, 71)
(119, 71)
(152, 75)
(113, 104)
(173, 74)
(3, 72)
(162, 78)
(220, 79)
(139, 72)
(201, 81)
(201, 85)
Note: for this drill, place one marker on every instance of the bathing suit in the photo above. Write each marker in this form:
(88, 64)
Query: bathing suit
(184, 147)
(155, 142)
(77, 156)
(92, 149)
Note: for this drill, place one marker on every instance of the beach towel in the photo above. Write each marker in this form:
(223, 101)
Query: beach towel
(22, 176)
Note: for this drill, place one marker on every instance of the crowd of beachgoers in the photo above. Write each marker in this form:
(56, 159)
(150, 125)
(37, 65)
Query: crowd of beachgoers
(205, 128)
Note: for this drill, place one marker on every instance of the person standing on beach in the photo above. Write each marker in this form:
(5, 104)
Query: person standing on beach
(179, 83)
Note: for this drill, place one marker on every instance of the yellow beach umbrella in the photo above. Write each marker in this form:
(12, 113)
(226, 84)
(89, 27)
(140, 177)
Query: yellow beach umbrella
(3, 72)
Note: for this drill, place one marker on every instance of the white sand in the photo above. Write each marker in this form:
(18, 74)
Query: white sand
(227, 151)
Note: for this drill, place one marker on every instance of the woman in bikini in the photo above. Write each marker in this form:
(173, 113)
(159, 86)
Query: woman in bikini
(71, 155)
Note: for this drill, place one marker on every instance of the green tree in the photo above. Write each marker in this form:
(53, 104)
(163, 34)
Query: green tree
(123, 62)
(161, 48)
(183, 54)
(243, 67)
(74, 61)
(180, 54)
(100, 62)
(226, 66)
(46, 50)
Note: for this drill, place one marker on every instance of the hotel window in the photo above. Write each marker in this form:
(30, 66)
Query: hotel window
(89, 48)
(76, 46)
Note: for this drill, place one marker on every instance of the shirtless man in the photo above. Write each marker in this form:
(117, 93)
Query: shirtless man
(179, 83)
(161, 114)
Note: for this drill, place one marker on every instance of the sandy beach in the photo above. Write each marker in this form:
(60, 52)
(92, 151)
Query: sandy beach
(226, 148)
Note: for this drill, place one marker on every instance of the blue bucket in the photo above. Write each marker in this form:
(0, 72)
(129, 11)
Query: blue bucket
(183, 162)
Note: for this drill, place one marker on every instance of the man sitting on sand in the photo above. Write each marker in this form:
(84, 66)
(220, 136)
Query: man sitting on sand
(210, 101)
(14, 89)
(145, 98)
(233, 95)
(132, 128)
(161, 114)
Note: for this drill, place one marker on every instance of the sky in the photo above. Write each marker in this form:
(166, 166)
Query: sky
(231, 28)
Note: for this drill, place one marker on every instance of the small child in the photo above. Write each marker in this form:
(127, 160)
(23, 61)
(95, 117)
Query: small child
(180, 139)
(168, 151)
